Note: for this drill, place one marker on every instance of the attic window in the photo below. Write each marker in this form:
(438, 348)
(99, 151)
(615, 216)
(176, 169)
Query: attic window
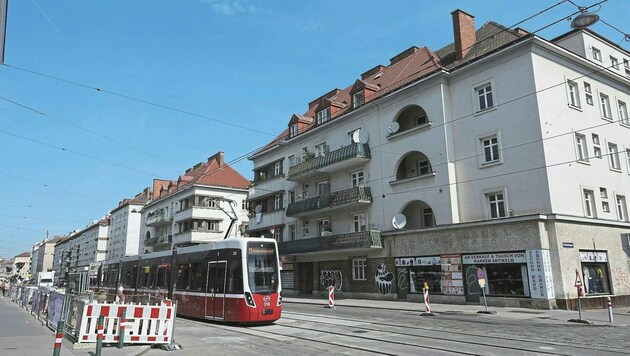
(357, 99)
(378, 75)
(323, 116)
(293, 130)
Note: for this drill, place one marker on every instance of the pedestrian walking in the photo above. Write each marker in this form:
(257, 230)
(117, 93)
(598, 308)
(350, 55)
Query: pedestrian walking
(5, 288)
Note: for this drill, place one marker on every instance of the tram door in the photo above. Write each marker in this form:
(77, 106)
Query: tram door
(215, 289)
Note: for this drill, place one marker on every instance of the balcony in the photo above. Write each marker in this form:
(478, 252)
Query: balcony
(344, 157)
(158, 219)
(158, 241)
(199, 212)
(351, 241)
(333, 201)
(196, 236)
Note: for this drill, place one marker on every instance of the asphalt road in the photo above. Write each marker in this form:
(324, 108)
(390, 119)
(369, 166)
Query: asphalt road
(315, 330)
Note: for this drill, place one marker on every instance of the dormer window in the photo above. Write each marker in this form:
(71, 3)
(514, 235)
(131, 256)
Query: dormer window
(323, 116)
(293, 130)
(358, 99)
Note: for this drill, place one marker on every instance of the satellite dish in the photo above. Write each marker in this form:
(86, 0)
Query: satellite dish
(258, 208)
(393, 128)
(203, 224)
(360, 136)
(399, 221)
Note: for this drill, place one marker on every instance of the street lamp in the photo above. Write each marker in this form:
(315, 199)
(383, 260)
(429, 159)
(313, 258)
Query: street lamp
(584, 19)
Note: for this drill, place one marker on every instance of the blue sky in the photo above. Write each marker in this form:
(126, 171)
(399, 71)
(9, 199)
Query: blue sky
(183, 79)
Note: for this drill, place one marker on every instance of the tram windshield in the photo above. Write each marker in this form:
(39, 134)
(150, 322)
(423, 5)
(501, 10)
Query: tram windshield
(262, 267)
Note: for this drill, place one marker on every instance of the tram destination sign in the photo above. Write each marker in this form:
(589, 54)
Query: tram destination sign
(490, 258)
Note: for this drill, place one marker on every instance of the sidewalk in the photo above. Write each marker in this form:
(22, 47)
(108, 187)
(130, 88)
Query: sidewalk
(22, 334)
(621, 316)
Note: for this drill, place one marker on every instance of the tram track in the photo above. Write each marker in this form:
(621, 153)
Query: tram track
(404, 330)
(318, 332)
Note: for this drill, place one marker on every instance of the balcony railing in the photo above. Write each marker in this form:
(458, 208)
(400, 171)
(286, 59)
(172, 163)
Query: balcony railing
(159, 219)
(159, 240)
(355, 150)
(358, 194)
(354, 240)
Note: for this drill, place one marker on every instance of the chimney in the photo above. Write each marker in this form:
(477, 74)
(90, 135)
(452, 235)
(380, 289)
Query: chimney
(464, 32)
(218, 157)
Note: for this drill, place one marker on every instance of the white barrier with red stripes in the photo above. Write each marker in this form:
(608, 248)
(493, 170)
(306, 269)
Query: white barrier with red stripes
(145, 324)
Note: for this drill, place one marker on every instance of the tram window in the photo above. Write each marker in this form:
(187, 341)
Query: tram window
(144, 276)
(129, 279)
(161, 277)
(263, 273)
(216, 278)
(197, 281)
(183, 275)
(235, 277)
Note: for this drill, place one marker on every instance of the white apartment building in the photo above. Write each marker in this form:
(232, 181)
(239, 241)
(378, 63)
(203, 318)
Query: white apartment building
(42, 255)
(80, 252)
(125, 225)
(22, 266)
(203, 205)
(501, 161)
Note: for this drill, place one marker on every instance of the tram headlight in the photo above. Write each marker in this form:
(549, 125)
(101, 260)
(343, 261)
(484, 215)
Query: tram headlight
(249, 300)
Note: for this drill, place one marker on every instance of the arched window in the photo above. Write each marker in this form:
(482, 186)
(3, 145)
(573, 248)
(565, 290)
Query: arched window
(411, 117)
(414, 164)
(419, 215)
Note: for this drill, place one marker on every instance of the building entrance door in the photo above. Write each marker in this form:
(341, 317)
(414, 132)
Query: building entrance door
(305, 270)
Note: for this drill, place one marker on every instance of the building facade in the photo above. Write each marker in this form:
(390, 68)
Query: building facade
(124, 226)
(500, 161)
(42, 255)
(204, 204)
(81, 251)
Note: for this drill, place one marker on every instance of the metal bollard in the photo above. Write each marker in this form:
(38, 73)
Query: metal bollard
(121, 329)
(610, 314)
(58, 339)
(99, 335)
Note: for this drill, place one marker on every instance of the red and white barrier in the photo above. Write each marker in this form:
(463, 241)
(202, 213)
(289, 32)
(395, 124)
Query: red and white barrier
(145, 324)
(331, 297)
(427, 306)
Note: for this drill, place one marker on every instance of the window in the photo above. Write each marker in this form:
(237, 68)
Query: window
(323, 116)
(605, 104)
(293, 130)
(490, 149)
(277, 168)
(357, 99)
(292, 232)
(292, 196)
(597, 54)
(595, 272)
(359, 222)
(292, 161)
(603, 193)
(614, 62)
(622, 208)
(484, 95)
(628, 159)
(423, 166)
(587, 90)
(277, 201)
(589, 203)
(623, 113)
(323, 227)
(357, 178)
(244, 205)
(321, 149)
(421, 120)
(596, 149)
(496, 204)
(574, 95)
(613, 156)
(427, 217)
(626, 65)
(277, 234)
(580, 146)
(358, 269)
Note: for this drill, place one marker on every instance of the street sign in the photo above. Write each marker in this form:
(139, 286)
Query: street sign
(578, 279)
(482, 282)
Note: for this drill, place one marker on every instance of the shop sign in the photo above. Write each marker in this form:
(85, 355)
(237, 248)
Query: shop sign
(592, 256)
(488, 258)
(540, 274)
(452, 276)
(417, 261)
(567, 244)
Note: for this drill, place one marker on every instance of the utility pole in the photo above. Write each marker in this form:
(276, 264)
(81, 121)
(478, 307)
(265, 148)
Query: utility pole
(4, 5)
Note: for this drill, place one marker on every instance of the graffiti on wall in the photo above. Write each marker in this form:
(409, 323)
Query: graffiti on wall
(383, 279)
(329, 277)
(621, 281)
(403, 284)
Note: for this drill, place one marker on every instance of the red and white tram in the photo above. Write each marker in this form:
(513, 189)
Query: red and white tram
(232, 280)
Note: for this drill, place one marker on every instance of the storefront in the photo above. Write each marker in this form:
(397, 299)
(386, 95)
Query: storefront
(442, 275)
(595, 272)
(509, 274)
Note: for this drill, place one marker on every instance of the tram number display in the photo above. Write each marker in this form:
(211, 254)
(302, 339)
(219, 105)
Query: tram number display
(262, 250)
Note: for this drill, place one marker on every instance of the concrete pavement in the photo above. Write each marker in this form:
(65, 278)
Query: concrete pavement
(22, 334)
